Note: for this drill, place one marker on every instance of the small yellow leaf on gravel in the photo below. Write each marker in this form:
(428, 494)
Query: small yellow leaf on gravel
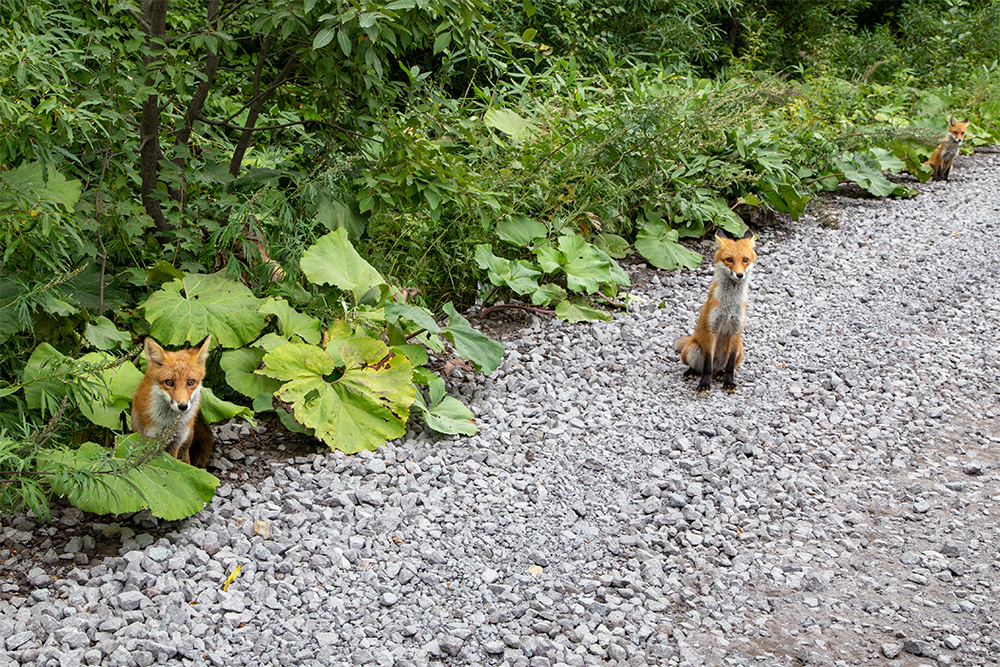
(262, 528)
(534, 570)
(232, 577)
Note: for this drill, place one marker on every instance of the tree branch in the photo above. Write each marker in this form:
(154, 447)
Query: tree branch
(259, 98)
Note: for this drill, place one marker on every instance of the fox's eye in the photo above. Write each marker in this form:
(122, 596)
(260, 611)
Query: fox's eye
(169, 383)
(190, 383)
(729, 260)
(746, 260)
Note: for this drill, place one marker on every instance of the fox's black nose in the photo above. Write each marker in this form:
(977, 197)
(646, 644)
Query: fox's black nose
(740, 276)
(182, 406)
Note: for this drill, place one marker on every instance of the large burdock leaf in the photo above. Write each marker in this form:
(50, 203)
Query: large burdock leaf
(240, 367)
(484, 353)
(293, 323)
(517, 275)
(98, 481)
(186, 310)
(658, 244)
(332, 260)
(585, 266)
(352, 403)
(30, 179)
(578, 310)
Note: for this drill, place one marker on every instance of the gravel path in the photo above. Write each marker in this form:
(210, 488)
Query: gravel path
(840, 509)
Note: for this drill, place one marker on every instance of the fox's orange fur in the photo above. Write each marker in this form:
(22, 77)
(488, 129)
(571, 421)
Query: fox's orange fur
(944, 155)
(170, 394)
(716, 344)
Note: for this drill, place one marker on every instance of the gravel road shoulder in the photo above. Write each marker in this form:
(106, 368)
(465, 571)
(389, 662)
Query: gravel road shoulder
(840, 509)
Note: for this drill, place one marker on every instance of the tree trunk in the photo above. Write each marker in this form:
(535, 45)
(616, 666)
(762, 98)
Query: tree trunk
(154, 22)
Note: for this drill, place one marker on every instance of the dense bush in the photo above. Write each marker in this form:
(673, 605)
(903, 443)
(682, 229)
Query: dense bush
(464, 151)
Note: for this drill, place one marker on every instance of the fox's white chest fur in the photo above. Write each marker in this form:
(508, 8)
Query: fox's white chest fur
(728, 317)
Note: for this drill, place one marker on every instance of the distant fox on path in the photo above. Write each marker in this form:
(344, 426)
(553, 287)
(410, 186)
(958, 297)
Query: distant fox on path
(716, 344)
(944, 155)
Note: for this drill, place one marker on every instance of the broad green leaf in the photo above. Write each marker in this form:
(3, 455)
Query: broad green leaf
(548, 294)
(240, 367)
(332, 260)
(29, 178)
(441, 42)
(520, 230)
(293, 323)
(403, 313)
(726, 219)
(549, 259)
(528, 35)
(114, 394)
(417, 354)
(614, 245)
(214, 409)
(585, 268)
(323, 37)
(168, 488)
(334, 215)
(445, 414)
(658, 244)
(356, 406)
(451, 417)
(864, 171)
(484, 353)
(185, 310)
(40, 393)
(517, 275)
(887, 160)
(104, 335)
(577, 310)
(509, 123)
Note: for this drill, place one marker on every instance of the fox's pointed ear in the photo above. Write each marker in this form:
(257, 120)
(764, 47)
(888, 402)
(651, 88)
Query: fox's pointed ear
(966, 120)
(154, 353)
(952, 121)
(721, 233)
(202, 348)
(748, 235)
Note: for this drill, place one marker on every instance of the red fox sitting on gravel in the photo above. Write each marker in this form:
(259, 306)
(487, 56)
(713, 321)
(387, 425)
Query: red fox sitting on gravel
(716, 342)
(170, 394)
(944, 155)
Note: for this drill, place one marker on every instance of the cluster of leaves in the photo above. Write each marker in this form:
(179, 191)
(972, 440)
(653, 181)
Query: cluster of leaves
(287, 164)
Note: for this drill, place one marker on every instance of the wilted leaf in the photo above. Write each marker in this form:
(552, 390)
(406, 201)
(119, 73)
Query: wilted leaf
(354, 406)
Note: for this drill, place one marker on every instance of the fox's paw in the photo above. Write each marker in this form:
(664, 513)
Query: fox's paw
(690, 373)
(701, 390)
(729, 388)
(718, 375)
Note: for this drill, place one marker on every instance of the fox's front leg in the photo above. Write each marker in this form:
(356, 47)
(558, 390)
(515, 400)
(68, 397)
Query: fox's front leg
(706, 374)
(728, 377)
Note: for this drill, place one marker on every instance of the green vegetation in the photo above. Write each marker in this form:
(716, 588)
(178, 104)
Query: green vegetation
(321, 185)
